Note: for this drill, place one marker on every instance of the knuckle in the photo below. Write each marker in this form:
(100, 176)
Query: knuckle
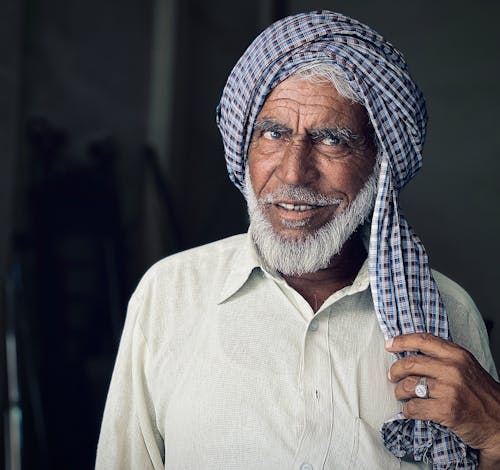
(455, 375)
(453, 391)
(410, 409)
(463, 356)
(399, 392)
(410, 361)
(461, 373)
(426, 337)
(408, 385)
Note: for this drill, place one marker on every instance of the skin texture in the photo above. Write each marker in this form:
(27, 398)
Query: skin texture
(308, 135)
(462, 395)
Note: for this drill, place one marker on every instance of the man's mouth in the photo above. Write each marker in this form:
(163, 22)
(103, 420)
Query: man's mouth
(297, 207)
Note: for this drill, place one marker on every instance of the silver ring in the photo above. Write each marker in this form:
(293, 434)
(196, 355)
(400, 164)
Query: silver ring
(421, 389)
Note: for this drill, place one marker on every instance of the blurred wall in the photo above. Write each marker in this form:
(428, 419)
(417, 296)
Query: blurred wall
(10, 84)
(74, 82)
(86, 70)
(10, 75)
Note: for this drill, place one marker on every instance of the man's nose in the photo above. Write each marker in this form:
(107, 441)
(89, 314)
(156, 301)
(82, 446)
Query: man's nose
(296, 166)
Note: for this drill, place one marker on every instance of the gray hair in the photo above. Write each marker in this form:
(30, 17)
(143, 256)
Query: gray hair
(327, 73)
(323, 72)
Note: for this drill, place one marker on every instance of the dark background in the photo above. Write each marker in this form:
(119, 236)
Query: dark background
(110, 160)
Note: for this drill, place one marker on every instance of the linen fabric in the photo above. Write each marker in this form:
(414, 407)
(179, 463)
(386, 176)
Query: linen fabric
(223, 365)
(404, 292)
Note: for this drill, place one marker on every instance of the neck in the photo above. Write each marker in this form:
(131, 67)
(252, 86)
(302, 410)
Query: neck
(318, 286)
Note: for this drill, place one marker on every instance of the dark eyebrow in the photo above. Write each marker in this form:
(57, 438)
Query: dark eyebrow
(266, 125)
(343, 134)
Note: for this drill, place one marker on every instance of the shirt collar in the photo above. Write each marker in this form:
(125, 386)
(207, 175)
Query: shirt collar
(247, 259)
(240, 269)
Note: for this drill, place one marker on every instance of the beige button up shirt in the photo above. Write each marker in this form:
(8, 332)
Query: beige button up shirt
(223, 366)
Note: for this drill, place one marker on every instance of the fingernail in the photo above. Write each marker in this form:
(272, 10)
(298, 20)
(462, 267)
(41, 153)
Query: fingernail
(388, 343)
(389, 375)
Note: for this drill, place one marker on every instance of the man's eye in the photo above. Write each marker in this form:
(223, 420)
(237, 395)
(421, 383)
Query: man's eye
(272, 135)
(331, 141)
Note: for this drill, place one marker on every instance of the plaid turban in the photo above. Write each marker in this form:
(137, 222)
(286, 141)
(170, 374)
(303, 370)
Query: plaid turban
(405, 295)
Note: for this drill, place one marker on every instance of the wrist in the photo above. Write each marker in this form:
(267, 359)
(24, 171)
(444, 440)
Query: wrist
(488, 462)
(489, 458)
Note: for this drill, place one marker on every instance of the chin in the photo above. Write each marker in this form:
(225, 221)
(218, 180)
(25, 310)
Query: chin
(294, 234)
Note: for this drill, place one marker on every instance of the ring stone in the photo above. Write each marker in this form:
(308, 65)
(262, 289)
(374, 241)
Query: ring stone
(421, 389)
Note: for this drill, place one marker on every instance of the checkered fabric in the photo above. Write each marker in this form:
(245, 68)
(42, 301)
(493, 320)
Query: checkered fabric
(405, 295)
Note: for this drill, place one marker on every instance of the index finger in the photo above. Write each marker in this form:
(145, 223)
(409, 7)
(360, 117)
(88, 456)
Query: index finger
(422, 342)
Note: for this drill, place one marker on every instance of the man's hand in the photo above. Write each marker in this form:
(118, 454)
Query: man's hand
(462, 395)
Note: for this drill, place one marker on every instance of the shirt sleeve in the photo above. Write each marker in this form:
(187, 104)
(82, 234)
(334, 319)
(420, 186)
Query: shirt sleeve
(129, 437)
(470, 333)
(466, 323)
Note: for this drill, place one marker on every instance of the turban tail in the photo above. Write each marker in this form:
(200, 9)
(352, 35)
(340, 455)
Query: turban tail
(405, 295)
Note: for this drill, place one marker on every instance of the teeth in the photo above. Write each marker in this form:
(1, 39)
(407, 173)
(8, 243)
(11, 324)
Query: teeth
(296, 207)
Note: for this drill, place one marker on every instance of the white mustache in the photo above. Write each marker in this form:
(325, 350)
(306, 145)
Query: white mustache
(298, 194)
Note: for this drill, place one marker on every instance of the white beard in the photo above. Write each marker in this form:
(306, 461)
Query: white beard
(296, 256)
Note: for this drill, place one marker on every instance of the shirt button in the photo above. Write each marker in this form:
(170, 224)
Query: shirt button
(306, 466)
(313, 326)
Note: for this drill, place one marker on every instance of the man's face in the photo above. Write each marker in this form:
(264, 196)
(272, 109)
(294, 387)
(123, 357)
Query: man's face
(308, 136)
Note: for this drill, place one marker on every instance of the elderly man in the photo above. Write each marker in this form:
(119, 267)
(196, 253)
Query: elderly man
(275, 349)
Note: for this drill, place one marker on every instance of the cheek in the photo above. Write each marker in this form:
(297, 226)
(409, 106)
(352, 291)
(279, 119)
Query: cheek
(261, 168)
(348, 178)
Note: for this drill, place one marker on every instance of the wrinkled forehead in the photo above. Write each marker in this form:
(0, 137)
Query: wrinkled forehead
(311, 102)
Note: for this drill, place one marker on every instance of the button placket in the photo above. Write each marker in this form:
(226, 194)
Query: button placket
(314, 325)
(316, 386)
